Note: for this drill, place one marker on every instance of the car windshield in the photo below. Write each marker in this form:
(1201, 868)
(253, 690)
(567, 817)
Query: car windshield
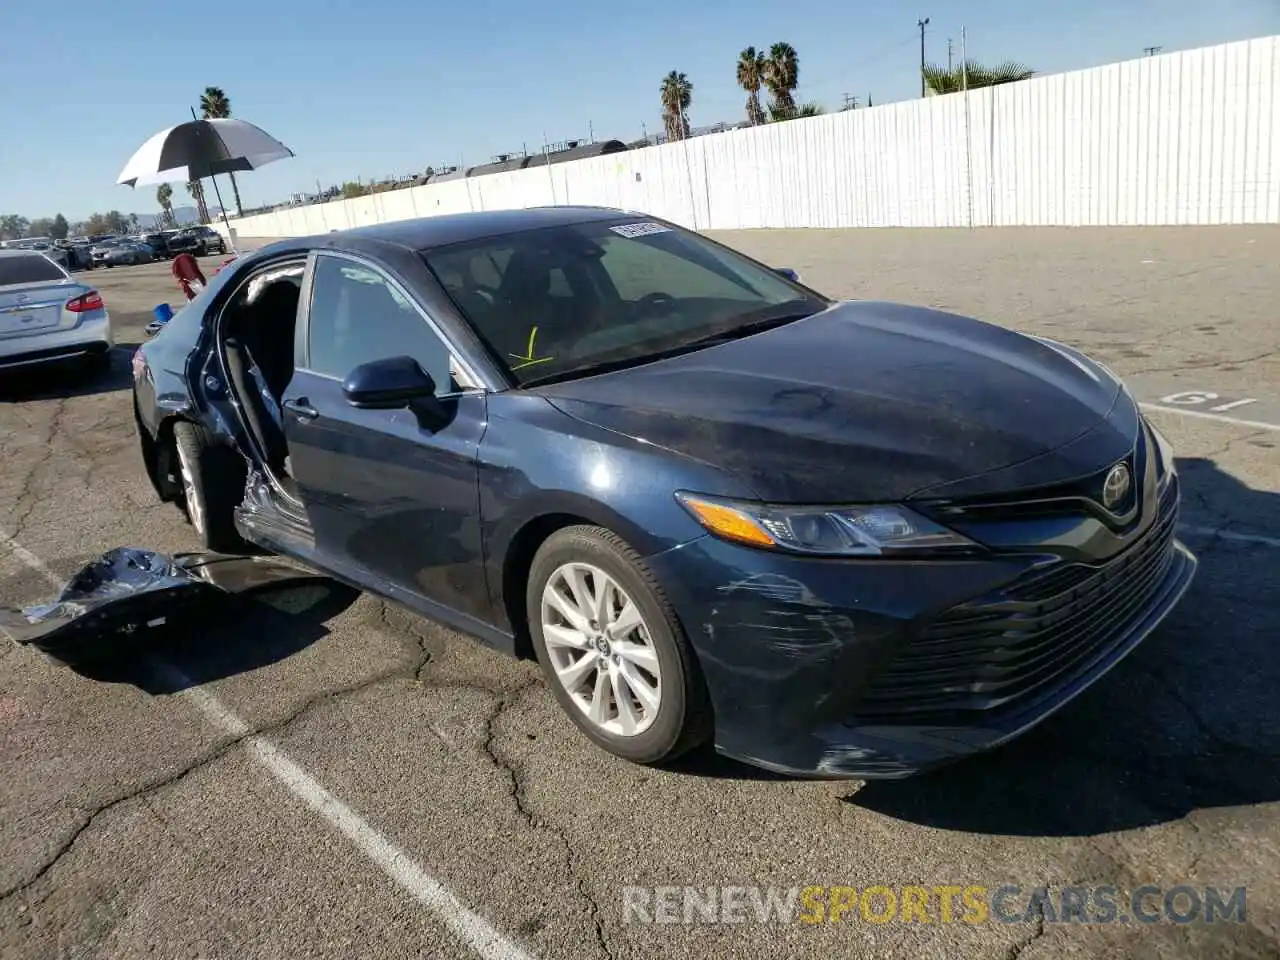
(566, 301)
(31, 268)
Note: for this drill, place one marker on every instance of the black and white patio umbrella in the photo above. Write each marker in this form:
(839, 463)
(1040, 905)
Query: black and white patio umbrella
(202, 148)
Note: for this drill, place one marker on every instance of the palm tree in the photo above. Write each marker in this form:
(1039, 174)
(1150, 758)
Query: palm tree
(751, 67)
(215, 105)
(164, 197)
(196, 189)
(782, 76)
(940, 80)
(797, 112)
(677, 97)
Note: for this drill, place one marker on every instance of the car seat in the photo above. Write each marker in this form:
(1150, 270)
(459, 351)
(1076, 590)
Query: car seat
(259, 417)
(268, 331)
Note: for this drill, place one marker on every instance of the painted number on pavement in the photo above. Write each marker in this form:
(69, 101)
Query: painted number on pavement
(1207, 399)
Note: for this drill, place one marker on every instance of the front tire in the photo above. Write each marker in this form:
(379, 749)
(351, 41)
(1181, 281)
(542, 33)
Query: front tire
(612, 650)
(212, 477)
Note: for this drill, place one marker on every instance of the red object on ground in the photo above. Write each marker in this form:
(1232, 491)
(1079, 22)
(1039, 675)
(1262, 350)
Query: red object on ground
(230, 260)
(187, 271)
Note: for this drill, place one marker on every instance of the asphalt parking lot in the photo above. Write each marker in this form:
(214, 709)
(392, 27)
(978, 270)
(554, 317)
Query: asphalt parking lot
(333, 777)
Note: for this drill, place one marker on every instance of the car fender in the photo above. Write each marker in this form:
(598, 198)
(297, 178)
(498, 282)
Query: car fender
(555, 503)
(536, 461)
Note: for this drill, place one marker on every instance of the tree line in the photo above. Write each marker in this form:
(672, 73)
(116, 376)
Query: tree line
(15, 227)
(777, 72)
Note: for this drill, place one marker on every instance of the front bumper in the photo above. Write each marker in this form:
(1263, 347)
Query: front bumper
(883, 669)
(90, 336)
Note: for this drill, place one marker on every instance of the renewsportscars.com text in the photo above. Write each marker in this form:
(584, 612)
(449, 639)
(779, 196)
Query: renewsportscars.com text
(941, 904)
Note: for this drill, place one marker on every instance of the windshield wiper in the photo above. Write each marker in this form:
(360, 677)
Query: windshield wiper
(759, 324)
(774, 316)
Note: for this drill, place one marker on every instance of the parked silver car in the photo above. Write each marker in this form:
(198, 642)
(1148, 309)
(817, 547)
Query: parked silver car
(47, 315)
(116, 253)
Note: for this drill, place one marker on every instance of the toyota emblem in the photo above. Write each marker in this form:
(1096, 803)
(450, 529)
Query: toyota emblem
(1116, 487)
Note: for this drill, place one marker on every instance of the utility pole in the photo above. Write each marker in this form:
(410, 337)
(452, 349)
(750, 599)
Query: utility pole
(948, 54)
(1151, 51)
(922, 24)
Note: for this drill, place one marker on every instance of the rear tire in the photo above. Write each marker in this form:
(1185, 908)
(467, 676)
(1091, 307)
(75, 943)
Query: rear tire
(213, 478)
(624, 673)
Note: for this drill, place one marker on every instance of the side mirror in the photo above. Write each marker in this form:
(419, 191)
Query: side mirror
(388, 384)
(788, 273)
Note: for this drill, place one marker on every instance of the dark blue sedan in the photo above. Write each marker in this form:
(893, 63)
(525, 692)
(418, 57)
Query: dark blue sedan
(833, 538)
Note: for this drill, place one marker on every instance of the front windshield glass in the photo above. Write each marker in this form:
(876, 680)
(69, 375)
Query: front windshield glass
(571, 300)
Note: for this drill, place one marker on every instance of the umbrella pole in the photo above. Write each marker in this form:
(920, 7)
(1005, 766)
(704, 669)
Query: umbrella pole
(223, 210)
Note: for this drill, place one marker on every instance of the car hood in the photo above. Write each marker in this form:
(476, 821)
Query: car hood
(863, 401)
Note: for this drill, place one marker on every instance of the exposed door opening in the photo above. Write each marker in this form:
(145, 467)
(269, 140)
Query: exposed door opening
(256, 334)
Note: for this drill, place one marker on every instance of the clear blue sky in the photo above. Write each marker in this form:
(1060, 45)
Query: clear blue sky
(374, 87)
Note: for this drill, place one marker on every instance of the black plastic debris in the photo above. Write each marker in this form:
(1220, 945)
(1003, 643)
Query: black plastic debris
(130, 595)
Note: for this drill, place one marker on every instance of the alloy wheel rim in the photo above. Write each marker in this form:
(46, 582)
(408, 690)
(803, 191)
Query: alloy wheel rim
(601, 650)
(195, 509)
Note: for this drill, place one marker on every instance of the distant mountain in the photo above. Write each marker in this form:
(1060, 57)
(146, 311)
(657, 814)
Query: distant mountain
(184, 215)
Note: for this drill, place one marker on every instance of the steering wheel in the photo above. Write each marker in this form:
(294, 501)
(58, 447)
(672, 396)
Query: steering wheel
(656, 302)
(484, 293)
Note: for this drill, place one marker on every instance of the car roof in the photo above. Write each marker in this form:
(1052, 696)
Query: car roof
(20, 252)
(426, 233)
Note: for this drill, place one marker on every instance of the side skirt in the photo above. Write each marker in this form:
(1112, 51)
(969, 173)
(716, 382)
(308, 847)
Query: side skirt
(264, 520)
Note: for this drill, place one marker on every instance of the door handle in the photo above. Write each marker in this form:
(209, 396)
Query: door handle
(301, 408)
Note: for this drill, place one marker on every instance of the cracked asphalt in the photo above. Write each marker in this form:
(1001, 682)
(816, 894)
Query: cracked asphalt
(131, 825)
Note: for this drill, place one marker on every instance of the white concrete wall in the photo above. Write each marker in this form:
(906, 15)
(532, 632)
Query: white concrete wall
(1183, 138)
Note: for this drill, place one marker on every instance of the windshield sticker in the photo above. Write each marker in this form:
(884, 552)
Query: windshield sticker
(642, 229)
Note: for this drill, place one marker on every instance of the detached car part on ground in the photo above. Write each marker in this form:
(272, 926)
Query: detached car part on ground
(837, 539)
(116, 604)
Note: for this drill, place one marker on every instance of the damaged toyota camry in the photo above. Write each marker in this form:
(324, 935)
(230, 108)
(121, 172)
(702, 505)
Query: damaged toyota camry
(839, 539)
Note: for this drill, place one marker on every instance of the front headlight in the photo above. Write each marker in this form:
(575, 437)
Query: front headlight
(874, 530)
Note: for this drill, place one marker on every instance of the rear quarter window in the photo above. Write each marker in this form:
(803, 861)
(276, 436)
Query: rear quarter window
(29, 269)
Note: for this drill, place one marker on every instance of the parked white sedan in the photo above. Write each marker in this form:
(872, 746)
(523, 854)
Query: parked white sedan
(46, 314)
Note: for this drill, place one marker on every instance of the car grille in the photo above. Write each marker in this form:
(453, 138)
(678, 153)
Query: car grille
(999, 649)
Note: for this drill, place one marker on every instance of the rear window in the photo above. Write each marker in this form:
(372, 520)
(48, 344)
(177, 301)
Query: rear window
(29, 269)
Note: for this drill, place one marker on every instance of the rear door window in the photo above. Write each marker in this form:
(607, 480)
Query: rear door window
(32, 268)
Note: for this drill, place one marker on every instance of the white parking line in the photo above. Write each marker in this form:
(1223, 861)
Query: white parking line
(1200, 414)
(467, 925)
(1253, 538)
